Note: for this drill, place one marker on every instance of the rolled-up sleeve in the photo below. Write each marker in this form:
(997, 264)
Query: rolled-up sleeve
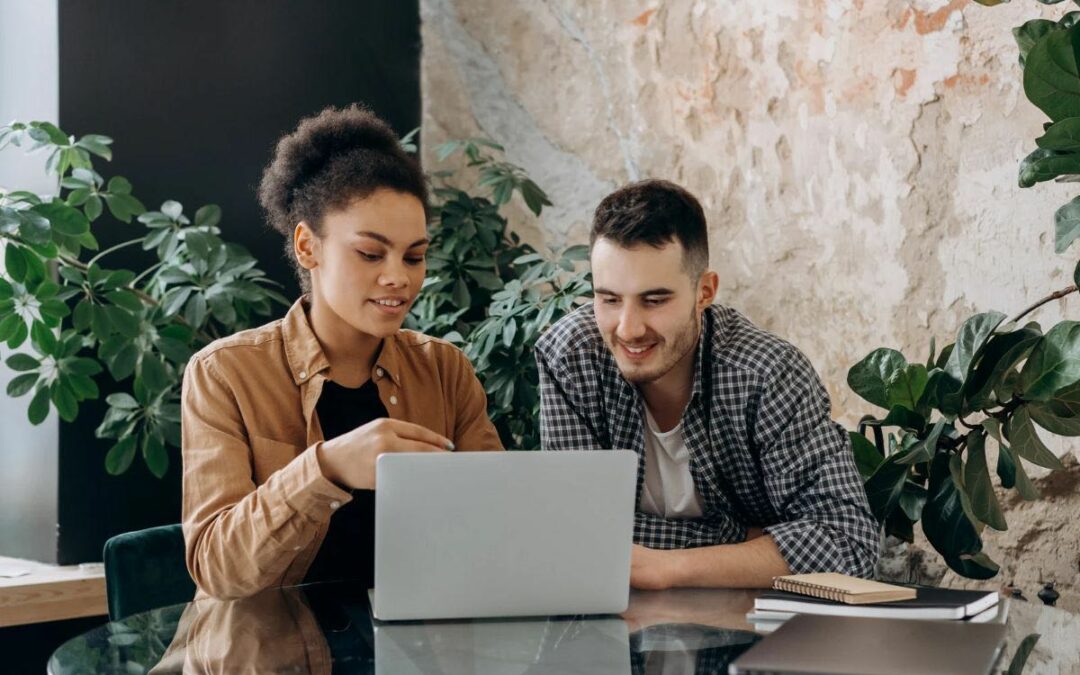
(810, 476)
(241, 538)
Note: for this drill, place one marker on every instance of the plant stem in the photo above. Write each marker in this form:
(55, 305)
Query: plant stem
(1053, 296)
(109, 250)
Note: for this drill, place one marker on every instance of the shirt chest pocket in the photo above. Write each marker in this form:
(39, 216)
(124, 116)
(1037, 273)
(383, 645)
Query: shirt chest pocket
(267, 456)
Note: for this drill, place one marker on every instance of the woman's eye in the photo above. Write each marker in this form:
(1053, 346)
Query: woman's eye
(370, 256)
(415, 260)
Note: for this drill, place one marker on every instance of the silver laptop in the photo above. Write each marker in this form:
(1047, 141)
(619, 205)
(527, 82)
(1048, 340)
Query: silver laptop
(503, 534)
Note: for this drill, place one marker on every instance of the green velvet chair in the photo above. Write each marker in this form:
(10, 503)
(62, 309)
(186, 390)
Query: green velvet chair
(145, 570)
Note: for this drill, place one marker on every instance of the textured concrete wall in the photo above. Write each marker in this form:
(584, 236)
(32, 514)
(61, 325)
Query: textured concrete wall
(856, 158)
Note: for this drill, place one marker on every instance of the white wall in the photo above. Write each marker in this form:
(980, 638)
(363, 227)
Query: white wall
(29, 90)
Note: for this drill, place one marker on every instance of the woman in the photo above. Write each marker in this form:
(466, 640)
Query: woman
(282, 424)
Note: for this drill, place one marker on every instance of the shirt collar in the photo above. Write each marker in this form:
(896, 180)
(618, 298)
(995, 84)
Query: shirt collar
(305, 354)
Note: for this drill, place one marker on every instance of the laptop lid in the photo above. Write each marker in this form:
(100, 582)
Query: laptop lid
(843, 645)
(503, 534)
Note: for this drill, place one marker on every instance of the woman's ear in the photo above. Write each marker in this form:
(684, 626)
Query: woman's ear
(306, 246)
(707, 288)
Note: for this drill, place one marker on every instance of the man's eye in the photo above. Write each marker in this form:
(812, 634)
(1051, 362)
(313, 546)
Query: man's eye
(610, 301)
(655, 302)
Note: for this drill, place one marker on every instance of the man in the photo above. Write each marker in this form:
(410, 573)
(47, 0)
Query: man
(742, 474)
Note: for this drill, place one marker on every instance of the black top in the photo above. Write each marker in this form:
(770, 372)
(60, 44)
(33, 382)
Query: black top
(348, 552)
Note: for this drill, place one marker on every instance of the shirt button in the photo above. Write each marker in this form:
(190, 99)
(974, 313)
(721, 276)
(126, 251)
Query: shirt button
(335, 504)
(393, 400)
(379, 372)
(303, 374)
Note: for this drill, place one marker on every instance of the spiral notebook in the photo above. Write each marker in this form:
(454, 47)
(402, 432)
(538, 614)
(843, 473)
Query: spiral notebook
(842, 588)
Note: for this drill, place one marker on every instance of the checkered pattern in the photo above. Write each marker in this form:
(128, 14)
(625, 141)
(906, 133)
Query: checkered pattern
(763, 449)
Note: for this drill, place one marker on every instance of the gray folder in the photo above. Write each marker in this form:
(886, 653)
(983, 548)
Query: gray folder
(842, 645)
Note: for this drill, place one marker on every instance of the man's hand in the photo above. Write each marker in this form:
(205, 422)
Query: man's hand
(652, 569)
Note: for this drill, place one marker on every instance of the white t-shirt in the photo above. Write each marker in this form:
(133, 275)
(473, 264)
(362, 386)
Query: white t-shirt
(668, 489)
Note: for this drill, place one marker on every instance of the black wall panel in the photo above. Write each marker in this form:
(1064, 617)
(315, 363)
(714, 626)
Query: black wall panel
(195, 94)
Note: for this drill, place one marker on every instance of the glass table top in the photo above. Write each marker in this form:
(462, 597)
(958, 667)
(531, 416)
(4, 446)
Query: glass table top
(327, 628)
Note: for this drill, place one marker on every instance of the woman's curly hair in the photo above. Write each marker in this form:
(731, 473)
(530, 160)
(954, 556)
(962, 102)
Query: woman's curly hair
(332, 159)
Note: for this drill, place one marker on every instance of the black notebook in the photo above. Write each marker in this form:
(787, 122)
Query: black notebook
(929, 603)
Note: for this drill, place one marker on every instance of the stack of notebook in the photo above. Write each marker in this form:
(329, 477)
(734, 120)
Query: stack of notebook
(840, 595)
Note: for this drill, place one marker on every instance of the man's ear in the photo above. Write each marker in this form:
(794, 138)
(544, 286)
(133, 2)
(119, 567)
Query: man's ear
(707, 288)
(306, 246)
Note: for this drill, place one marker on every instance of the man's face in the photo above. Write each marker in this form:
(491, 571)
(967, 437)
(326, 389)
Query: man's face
(647, 307)
(368, 264)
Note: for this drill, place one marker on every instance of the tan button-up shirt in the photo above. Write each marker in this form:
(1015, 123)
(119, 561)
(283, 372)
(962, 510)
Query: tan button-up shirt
(256, 505)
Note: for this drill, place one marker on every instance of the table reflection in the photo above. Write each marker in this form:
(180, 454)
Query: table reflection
(328, 629)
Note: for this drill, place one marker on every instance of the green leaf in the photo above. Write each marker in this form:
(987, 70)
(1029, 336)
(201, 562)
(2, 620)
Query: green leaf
(122, 401)
(901, 417)
(1051, 79)
(969, 343)
(1063, 136)
(1029, 33)
(534, 197)
(153, 373)
(868, 378)
(39, 406)
(125, 299)
(208, 216)
(22, 362)
(1006, 467)
(974, 565)
(119, 185)
(912, 501)
(172, 209)
(43, 338)
(15, 263)
(1001, 354)
(1023, 651)
(883, 488)
(984, 503)
(20, 385)
(905, 387)
(1042, 165)
(1066, 225)
(93, 208)
(1026, 442)
(944, 521)
(1054, 362)
(124, 207)
(462, 298)
(867, 457)
(509, 331)
(64, 401)
(157, 460)
(64, 219)
(99, 145)
(120, 456)
(925, 449)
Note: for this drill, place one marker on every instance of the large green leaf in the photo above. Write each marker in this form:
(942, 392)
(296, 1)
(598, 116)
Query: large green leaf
(969, 342)
(1042, 165)
(869, 378)
(1020, 657)
(980, 490)
(120, 456)
(1054, 363)
(925, 449)
(944, 520)
(1026, 442)
(64, 219)
(1061, 413)
(1002, 353)
(883, 488)
(1051, 79)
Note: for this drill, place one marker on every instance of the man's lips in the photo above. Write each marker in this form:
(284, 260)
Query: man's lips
(638, 352)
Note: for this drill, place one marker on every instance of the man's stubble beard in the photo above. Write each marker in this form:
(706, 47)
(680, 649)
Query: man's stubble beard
(680, 347)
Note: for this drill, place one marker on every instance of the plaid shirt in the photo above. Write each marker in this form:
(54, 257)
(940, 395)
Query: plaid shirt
(763, 449)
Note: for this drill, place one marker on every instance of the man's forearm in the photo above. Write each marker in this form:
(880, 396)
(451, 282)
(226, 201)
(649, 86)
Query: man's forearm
(751, 564)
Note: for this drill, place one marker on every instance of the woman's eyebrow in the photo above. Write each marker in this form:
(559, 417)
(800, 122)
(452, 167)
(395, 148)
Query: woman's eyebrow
(384, 240)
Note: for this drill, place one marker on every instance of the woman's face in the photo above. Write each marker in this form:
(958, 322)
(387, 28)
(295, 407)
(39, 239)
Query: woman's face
(367, 265)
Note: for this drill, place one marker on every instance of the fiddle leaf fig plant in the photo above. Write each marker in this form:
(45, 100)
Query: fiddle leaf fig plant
(76, 317)
(1000, 381)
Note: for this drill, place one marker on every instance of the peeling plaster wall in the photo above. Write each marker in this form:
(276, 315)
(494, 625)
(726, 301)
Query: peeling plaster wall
(856, 159)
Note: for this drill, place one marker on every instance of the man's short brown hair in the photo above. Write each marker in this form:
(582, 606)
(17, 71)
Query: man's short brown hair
(655, 212)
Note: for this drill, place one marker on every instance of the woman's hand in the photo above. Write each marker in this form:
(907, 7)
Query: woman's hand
(349, 459)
